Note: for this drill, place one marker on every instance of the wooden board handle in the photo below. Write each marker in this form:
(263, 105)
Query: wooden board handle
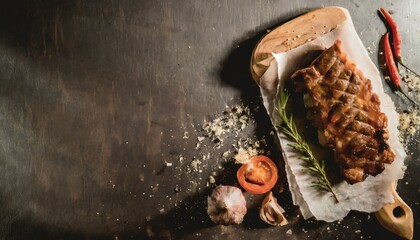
(397, 217)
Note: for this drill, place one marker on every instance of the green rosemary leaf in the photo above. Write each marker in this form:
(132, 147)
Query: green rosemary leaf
(320, 185)
(322, 164)
(314, 166)
(313, 169)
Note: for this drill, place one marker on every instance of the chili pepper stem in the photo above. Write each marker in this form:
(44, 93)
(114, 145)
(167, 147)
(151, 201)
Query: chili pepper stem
(409, 69)
(399, 89)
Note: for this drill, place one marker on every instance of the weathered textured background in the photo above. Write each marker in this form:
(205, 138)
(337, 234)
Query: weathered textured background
(95, 96)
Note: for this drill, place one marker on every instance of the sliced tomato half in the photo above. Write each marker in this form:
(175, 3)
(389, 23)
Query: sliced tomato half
(258, 175)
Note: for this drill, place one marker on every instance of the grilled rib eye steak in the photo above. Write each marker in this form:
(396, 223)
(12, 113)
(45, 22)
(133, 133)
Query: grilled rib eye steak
(342, 106)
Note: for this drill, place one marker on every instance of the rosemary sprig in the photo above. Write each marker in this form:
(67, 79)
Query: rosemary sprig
(314, 166)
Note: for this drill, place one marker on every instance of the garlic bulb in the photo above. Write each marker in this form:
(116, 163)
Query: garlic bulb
(226, 205)
(271, 212)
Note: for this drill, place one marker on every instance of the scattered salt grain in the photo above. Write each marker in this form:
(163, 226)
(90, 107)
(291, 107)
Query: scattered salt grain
(244, 155)
(194, 164)
(141, 177)
(409, 123)
(413, 82)
(212, 180)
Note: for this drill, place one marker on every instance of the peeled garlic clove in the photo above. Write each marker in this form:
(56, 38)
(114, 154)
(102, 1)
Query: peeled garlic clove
(226, 205)
(271, 212)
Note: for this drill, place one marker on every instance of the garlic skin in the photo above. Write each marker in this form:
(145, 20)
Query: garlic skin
(271, 212)
(226, 205)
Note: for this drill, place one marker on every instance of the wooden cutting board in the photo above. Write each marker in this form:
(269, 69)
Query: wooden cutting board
(396, 217)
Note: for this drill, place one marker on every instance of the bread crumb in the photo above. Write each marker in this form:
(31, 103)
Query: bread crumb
(194, 164)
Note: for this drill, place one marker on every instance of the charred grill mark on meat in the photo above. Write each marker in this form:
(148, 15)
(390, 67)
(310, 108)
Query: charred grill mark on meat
(346, 111)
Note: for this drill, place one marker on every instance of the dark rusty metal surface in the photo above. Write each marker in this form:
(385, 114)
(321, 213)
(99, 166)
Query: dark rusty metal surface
(96, 96)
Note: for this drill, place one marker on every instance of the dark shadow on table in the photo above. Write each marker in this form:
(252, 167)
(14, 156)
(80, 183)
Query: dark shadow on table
(191, 215)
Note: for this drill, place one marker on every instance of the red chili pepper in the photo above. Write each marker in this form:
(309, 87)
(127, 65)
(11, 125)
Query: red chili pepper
(390, 63)
(392, 68)
(396, 38)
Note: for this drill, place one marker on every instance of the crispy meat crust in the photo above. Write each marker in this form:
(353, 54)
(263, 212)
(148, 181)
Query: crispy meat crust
(346, 111)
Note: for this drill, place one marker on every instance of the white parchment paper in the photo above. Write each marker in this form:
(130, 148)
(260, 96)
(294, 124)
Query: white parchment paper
(367, 196)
